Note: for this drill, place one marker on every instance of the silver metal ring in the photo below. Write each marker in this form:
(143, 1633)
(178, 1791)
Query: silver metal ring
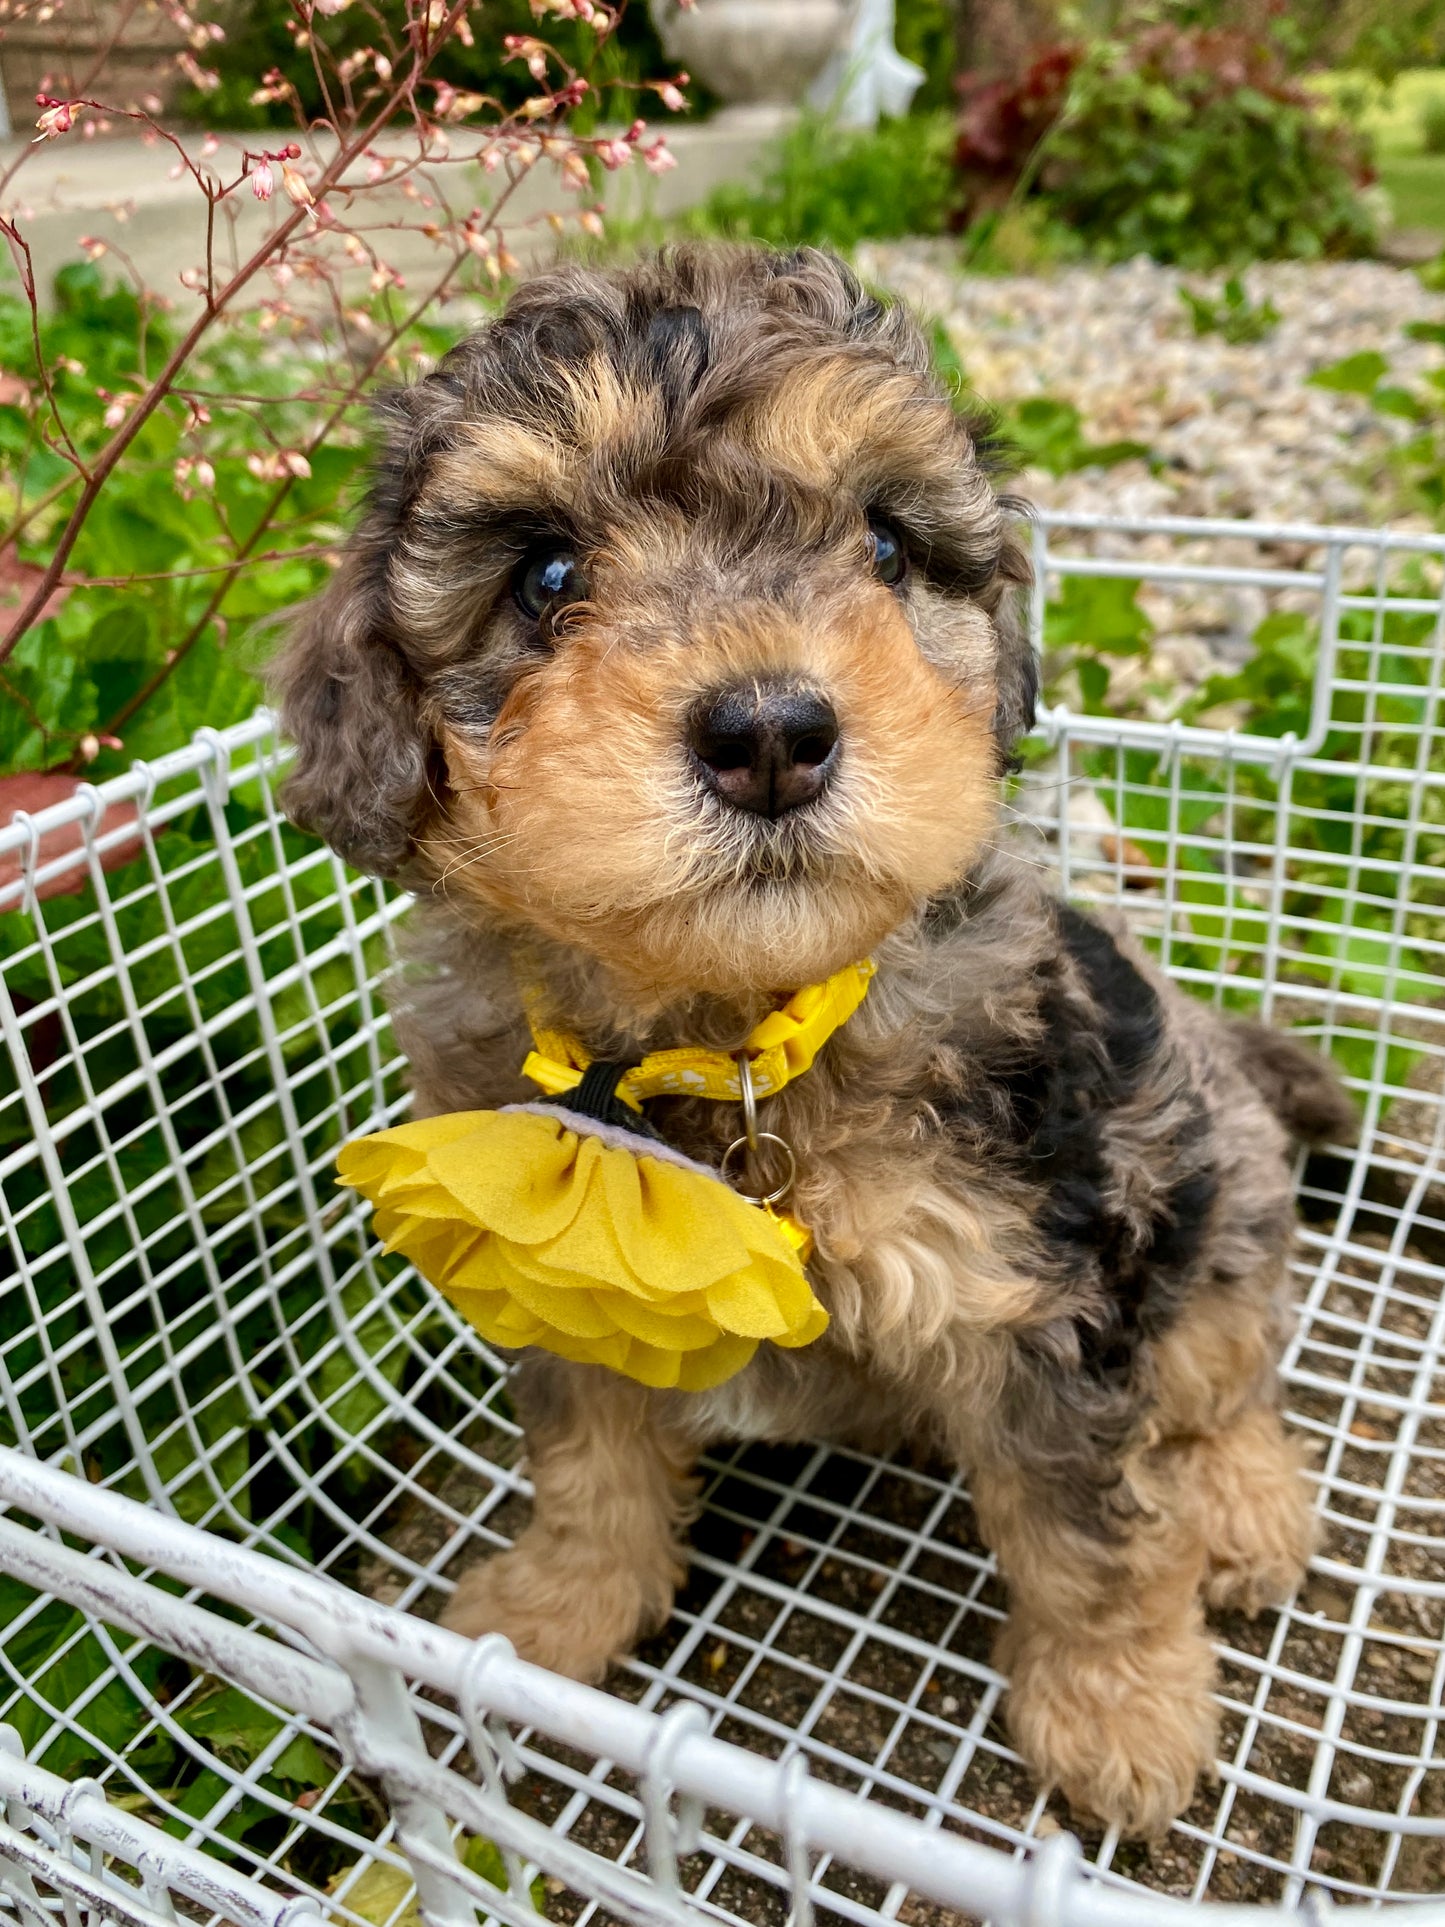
(750, 1100)
(778, 1191)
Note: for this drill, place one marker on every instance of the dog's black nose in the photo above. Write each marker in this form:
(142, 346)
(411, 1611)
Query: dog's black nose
(765, 749)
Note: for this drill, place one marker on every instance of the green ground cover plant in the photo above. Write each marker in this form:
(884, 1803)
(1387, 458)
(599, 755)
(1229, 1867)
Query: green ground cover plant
(1230, 314)
(1412, 476)
(1335, 818)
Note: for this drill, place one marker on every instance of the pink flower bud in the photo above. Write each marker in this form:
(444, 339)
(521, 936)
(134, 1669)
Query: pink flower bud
(58, 117)
(657, 158)
(90, 247)
(672, 97)
(613, 154)
(263, 182)
(203, 475)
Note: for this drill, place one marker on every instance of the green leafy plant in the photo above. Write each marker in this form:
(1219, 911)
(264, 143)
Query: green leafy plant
(1093, 621)
(1048, 432)
(1190, 143)
(833, 187)
(1415, 467)
(1231, 315)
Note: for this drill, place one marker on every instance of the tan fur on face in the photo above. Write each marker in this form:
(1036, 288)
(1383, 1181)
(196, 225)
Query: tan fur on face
(535, 464)
(837, 425)
(585, 818)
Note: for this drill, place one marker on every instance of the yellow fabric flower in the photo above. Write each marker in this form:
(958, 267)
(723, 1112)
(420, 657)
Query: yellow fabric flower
(541, 1234)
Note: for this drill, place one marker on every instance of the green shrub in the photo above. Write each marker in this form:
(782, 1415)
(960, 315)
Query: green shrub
(834, 187)
(1164, 152)
(1432, 126)
(1192, 145)
(261, 38)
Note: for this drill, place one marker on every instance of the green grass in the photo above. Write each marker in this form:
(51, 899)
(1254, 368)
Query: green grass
(1415, 184)
(1391, 116)
(1394, 119)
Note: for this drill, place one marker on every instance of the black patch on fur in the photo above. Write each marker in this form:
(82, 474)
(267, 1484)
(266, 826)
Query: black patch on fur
(675, 354)
(1044, 1114)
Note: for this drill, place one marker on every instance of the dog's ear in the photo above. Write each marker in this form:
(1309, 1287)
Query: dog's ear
(347, 696)
(348, 703)
(1016, 674)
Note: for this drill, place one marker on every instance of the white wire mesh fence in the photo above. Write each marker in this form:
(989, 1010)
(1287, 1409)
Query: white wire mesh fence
(247, 1458)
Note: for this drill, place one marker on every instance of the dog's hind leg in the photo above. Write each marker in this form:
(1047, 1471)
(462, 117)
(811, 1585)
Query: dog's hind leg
(598, 1565)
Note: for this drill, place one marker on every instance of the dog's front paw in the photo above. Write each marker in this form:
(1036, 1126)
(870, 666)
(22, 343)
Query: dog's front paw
(1124, 1731)
(562, 1612)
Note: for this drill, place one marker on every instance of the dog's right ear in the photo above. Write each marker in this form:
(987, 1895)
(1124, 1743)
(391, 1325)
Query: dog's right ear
(347, 696)
(348, 702)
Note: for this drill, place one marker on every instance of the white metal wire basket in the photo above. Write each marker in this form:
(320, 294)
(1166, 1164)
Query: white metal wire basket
(245, 1458)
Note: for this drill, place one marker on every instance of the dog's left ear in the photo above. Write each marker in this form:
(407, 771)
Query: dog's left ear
(1016, 674)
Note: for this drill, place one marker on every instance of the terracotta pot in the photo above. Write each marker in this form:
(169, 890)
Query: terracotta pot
(37, 791)
(752, 51)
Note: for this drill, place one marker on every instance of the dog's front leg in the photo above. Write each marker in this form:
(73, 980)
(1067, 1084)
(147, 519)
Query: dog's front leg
(597, 1567)
(1109, 1666)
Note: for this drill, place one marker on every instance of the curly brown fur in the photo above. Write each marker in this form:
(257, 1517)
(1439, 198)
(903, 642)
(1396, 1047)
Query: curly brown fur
(1049, 1194)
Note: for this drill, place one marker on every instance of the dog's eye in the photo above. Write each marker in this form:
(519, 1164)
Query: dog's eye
(886, 553)
(548, 578)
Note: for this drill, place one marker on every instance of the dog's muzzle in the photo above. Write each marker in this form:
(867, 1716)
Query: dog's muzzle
(765, 747)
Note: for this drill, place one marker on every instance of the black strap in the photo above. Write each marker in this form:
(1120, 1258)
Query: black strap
(596, 1096)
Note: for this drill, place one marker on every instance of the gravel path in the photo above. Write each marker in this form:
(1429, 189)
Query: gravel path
(1234, 429)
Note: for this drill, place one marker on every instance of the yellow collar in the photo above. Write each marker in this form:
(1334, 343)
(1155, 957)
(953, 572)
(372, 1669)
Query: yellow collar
(781, 1048)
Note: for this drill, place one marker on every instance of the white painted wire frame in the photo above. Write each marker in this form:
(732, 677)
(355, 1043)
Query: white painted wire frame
(256, 1405)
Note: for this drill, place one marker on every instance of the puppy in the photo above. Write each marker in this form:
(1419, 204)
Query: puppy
(675, 664)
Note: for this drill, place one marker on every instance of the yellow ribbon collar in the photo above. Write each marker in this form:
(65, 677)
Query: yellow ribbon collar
(545, 1227)
(781, 1048)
